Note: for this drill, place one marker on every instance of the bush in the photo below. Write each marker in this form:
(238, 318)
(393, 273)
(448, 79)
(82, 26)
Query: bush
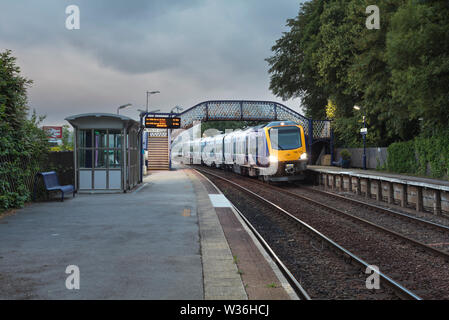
(422, 155)
(401, 157)
(345, 154)
(23, 145)
(433, 154)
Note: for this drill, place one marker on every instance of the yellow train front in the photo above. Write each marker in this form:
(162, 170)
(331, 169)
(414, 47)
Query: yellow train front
(274, 152)
(287, 147)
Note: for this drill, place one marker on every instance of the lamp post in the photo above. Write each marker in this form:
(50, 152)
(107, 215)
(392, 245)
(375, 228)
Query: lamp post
(123, 107)
(364, 131)
(149, 93)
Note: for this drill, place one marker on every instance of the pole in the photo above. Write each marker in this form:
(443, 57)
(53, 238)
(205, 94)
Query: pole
(310, 141)
(141, 147)
(147, 101)
(364, 145)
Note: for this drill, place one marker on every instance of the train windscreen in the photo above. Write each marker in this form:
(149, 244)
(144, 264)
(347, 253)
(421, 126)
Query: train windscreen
(289, 137)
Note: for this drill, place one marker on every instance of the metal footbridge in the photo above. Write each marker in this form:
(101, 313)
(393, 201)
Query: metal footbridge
(248, 110)
(317, 131)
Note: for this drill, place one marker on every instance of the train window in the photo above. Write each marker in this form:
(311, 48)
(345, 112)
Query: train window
(289, 137)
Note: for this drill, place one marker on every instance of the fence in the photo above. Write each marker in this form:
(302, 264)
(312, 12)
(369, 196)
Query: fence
(62, 163)
(375, 157)
(17, 176)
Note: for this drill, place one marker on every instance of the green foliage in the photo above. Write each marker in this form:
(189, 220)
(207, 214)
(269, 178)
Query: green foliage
(331, 110)
(345, 154)
(292, 67)
(401, 157)
(422, 156)
(67, 140)
(433, 154)
(23, 146)
(347, 132)
(418, 55)
(399, 74)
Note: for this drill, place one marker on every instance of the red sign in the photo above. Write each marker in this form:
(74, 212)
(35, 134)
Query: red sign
(53, 132)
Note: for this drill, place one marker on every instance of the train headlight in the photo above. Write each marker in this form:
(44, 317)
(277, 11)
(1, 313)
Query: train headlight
(273, 159)
(303, 156)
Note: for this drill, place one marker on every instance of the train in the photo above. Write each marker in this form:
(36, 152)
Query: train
(275, 151)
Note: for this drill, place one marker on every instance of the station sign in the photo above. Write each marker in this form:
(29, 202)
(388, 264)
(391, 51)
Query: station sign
(162, 123)
(53, 132)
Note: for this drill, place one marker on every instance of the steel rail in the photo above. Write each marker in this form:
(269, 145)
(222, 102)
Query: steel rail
(365, 222)
(381, 209)
(397, 287)
(422, 245)
(300, 291)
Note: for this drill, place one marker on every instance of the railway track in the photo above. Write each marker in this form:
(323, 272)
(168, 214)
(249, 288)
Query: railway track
(427, 234)
(421, 268)
(400, 225)
(413, 233)
(343, 276)
(297, 287)
(388, 211)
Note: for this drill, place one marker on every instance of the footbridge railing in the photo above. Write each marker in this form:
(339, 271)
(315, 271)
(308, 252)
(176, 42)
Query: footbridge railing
(246, 110)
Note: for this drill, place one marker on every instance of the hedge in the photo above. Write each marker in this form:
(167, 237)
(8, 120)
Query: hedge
(428, 156)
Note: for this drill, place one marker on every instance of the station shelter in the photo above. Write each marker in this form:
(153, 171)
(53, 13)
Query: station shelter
(106, 152)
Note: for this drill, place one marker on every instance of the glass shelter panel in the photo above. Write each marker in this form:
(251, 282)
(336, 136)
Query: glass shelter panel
(115, 159)
(85, 138)
(100, 158)
(115, 139)
(85, 158)
(100, 138)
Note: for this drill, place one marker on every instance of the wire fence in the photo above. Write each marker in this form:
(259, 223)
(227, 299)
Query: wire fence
(18, 176)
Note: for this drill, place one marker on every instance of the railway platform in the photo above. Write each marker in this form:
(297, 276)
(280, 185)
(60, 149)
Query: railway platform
(173, 237)
(421, 194)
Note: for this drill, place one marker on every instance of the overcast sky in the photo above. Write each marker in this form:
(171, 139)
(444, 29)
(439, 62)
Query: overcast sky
(190, 50)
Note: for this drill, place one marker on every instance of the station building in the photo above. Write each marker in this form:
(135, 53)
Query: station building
(106, 152)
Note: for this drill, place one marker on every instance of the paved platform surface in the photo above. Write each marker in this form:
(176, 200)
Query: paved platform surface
(164, 240)
(221, 278)
(261, 277)
(139, 245)
(412, 180)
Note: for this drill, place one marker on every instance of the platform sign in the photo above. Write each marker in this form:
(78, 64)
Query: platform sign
(162, 123)
(53, 133)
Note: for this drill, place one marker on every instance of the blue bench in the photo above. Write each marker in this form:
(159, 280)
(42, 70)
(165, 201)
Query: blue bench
(51, 182)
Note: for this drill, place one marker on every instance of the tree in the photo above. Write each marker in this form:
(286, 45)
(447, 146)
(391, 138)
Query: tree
(339, 28)
(418, 55)
(67, 140)
(23, 146)
(292, 67)
(399, 73)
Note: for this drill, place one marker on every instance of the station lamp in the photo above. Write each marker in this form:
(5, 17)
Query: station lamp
(123, 107)
(149, 93)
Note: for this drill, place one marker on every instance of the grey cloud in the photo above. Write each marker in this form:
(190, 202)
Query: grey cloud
(203, 48)
(144, 36)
